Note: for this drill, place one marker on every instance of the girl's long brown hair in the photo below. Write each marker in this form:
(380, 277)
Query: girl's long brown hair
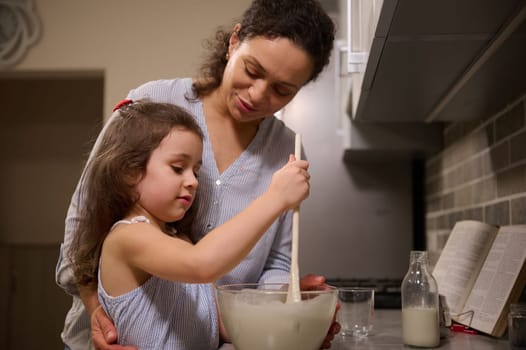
(107, 190)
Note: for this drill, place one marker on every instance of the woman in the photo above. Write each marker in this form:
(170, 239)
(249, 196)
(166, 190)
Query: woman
(252, 72)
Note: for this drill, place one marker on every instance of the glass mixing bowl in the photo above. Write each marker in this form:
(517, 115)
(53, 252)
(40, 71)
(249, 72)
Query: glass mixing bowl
(257, 317)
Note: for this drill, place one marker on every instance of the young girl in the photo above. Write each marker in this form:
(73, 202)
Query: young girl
(138, 184)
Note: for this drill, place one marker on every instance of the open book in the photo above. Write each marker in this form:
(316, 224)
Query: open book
(480, 271)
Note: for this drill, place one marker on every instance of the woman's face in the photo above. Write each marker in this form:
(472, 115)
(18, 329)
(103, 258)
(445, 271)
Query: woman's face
(263, 75)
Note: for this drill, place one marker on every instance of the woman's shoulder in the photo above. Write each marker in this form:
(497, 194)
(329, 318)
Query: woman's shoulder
(163, 90)
(278, 137)
(277, 131)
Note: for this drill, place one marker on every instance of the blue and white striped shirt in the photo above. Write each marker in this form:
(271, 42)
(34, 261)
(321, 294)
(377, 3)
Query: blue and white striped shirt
(163, 314)
(221, 196)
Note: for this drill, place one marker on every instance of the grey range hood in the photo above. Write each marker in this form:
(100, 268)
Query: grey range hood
(432, 62)
(444, 60)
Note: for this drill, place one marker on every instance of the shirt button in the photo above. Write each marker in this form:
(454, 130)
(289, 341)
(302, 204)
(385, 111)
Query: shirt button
(218, 182)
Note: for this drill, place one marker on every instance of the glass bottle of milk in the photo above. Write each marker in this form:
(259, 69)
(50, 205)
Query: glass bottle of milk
(420, 318)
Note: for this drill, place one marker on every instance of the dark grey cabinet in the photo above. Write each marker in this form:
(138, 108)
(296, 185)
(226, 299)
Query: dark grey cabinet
(32, 306)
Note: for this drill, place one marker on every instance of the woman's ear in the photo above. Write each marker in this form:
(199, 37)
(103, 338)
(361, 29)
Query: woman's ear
(233, 42)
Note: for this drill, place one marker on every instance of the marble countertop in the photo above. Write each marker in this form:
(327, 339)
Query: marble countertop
(387, 334)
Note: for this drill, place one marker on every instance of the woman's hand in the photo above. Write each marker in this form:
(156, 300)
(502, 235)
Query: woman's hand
(103, 332)
(313, 282)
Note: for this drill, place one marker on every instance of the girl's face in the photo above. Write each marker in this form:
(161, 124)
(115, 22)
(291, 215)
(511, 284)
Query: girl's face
(167, 188)
(263, 75)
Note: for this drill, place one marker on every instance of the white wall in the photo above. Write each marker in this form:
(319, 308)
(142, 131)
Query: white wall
(126, 42)
(132, 41)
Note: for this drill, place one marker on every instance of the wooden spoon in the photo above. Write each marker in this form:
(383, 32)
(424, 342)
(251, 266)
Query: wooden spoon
(294, 294)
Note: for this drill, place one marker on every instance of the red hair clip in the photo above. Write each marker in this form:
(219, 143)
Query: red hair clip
(122, 103)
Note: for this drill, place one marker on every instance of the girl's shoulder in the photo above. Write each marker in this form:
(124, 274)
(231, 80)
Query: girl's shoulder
(126, 236)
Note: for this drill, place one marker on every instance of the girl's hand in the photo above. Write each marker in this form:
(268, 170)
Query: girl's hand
(290, 184)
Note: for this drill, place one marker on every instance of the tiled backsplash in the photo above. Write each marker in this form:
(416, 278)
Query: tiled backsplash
(480, 174)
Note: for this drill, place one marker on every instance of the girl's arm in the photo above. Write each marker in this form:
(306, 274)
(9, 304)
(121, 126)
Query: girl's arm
(146, 248)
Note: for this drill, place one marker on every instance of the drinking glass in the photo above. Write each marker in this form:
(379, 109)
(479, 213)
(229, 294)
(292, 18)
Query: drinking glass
(356, 312)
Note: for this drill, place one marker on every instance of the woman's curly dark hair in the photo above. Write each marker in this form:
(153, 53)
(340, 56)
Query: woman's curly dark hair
(304, 22)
